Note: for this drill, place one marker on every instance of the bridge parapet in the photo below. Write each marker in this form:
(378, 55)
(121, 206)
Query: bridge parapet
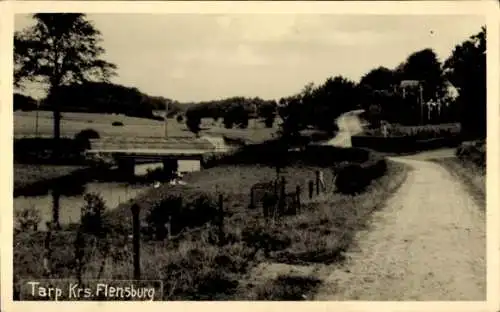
(124, 143)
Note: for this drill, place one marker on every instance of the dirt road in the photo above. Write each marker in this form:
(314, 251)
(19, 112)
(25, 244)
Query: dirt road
(349, 125)
(427, 243)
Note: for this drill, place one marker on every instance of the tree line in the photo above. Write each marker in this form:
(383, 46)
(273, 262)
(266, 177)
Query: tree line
(381, 94)
(64, 51)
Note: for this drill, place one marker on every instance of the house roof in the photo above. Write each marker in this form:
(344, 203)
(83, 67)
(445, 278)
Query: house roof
(409, 83)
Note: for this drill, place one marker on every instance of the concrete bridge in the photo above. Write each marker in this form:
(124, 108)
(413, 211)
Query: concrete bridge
(127, 152)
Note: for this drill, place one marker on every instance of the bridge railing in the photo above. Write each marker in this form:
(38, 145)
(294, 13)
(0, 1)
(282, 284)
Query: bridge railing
(150, 143)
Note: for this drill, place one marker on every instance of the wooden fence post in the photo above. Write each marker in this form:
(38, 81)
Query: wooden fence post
(79, 253)
(169, 228)
(46, 257)
(265, 209)
(297, 194)
(317, 182)
(136, 242)
(252, 198)
(56, 208)
(221, 219)
(311, 189)
(282, 198)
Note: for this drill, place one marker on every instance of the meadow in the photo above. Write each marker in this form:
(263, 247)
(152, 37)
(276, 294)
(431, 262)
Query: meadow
(72, 123)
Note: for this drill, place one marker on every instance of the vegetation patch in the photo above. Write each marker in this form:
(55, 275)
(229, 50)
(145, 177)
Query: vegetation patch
(470, 168)
(29, 179)
(194, 264)
(288, 288)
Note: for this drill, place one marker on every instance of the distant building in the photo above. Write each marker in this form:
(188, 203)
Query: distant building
(409, 85)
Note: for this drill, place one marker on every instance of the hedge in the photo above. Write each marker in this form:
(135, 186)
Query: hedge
(188, 207)
(276, 153)
(352, 178)
(40, 150)
(474, 152)
(403, 144)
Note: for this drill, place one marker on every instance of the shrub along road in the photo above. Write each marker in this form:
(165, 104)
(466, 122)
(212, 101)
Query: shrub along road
(427, 243)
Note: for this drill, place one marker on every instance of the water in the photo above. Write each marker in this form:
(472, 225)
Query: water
(113, 193)
(70, 206)
(184, 166)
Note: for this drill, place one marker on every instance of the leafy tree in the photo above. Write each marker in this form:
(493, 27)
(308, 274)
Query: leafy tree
(59, 49)
(424, 66)
(380, 78)
(466, 70)
(193, 120)
(267, 111)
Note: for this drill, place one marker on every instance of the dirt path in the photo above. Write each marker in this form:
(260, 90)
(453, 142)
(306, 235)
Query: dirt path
(428, 243)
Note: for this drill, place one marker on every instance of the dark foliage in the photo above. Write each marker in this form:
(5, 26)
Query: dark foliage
(83, 137)
(24, 102)
(352, 178)
(474, 152)
(40, 150)
(404, 144)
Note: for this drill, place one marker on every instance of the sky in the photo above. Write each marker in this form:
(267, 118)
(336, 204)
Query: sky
(201, 57)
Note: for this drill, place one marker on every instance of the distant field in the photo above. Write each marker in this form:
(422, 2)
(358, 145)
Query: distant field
(72, 123)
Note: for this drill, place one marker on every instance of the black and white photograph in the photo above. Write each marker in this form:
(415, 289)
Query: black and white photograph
(249, 156)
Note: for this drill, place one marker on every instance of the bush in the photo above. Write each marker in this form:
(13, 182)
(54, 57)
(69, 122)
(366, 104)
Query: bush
(179, 118)
(117, 124)
(269, 122)
(92, 213)
(28, 218)
(193, 120)
(84, 137)
(352, 178)
(473, 151)
(184, 210)
(41, 150)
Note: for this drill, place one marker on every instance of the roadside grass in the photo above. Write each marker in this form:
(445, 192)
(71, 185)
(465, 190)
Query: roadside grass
(195, 267)
(473, 177)
(321, 236)
(288, 288)
(72, 123)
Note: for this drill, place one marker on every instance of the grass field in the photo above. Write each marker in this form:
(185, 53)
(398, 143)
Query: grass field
(196, 268)
(72, 123)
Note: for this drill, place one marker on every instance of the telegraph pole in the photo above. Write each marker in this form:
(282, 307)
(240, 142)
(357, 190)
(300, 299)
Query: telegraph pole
(421, 105)
(36, 118)
(166, 119)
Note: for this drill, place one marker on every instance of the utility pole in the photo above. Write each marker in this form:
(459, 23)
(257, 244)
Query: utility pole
(166, 119)
(36, 118)
(421, 104)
